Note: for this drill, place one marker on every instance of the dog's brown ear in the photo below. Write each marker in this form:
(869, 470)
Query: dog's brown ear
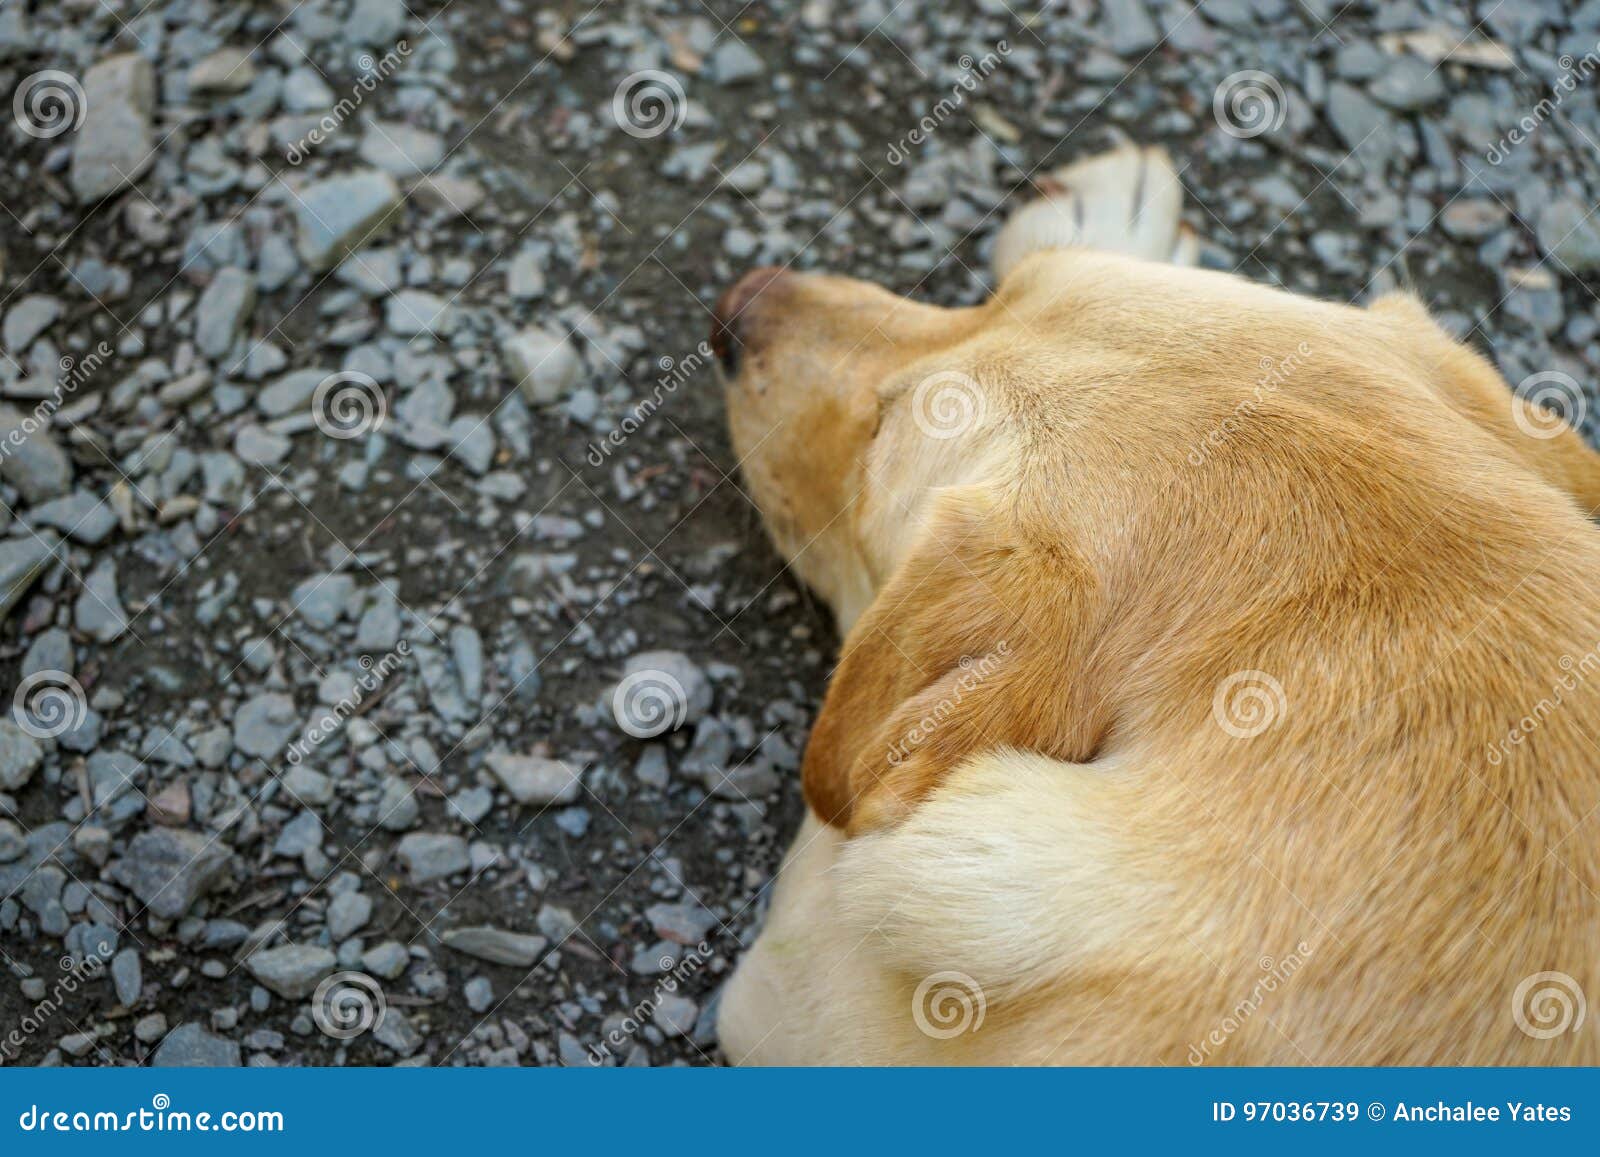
(976, 642)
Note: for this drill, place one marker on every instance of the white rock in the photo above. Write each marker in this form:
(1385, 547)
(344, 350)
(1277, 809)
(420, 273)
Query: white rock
(544, 365)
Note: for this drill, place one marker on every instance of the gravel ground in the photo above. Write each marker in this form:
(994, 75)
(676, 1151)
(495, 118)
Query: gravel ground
(395, 671)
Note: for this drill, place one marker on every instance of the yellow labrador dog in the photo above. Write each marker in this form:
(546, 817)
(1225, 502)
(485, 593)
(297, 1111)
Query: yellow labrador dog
(1219, 681)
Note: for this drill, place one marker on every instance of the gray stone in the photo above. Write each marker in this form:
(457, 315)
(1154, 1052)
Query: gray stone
(466, 649)
(387, 960)
(535, 780)
(1569, 233)
(304, 90)
(292, 970)
(543, 365)
(227, 70)
(191, 1046)
(479, 993)
(115, 145)
(79, 515)
(98, 612)
(12, 841)
(397, 807)
(734, 62)
(428, 856)
(127, 977)
(224, 307)
(169, 869)
(401, 149)
(341, 214)
(496, 945)
(264, 724)
(471, 441)
(27, 319)
(32, 461)
(675, 1014)
(51, 650)
(525, 276)
(396, 1032)
(414, 311)
(1407, 83)
(322, 599)
(348, 913)
(293, 391)
(686, 922)
(1130, 31)
(458, 195)
(379, 628)
(259, 446)
(375, 22)
(1360, 123)
(20, 756)
(299, 836)
(22, 561)
(556, 922)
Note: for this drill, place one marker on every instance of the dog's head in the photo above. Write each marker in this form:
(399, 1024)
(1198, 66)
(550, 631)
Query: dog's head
(901, 454)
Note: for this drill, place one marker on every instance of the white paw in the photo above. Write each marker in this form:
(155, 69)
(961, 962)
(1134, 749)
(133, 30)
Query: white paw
(1125, 201)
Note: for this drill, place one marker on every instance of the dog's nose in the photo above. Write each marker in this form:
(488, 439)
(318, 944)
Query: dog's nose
(730, 324)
